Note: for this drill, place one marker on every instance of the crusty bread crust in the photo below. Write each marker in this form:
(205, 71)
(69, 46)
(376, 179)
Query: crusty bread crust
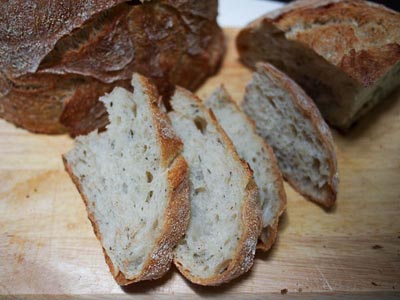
(363, 57)
(177, 211)
(251, 217)
(311, 112)
(268, 234)
(352, 50)
(99, 44)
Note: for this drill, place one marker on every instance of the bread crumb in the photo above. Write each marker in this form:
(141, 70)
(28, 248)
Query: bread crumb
(377, 247)
(374, 283)
(284, 291)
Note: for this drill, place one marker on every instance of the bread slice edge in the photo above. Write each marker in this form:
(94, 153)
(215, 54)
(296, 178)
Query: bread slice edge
(251, 216)
(177, 212)
(308, 108)
(268, 233)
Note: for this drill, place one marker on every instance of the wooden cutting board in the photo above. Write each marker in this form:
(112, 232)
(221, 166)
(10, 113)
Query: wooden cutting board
(48, 249)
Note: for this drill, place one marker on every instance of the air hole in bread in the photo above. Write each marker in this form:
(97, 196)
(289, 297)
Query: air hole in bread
(155, 224)
(308, 138)
(149, 195)
(125, 188)
(139, 260)
(293, 129)
(217, 218)
(200, 123)
(134, 110)
(149, 176)
(223, 266)
(316, 164)
(118, 120)
(272, 103)
(144, 148)
(199, 190)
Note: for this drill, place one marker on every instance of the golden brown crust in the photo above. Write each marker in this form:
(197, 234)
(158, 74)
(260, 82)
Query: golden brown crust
(103, 43)
(251, 216)
(170, 143)
(368, 66)
(36, 102)
(268, 234)
(22, 52)
(358, 37)
(311, 112)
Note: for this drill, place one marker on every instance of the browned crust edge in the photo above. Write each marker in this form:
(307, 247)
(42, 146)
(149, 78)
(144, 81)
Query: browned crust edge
(251, 215)
(306, 105)
(268, 233)
(177, 220)
(364, 66)
(175, 225)
(177, 210)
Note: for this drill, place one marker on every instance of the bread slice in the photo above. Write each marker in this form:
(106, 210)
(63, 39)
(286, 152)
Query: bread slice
(258, 154)
(290, 122)
(220, 242)
(134, 183)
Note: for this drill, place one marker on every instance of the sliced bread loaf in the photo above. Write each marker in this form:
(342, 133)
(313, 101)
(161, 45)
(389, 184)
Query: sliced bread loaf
(134, 183)
(291, 123)
(344, 53)
(252, 148)
(220, 242)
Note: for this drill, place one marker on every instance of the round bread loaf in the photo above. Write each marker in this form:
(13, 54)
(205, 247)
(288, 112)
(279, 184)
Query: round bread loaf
(57, 58)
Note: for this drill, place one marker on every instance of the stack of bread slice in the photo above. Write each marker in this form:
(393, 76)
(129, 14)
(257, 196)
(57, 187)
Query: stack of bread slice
(198, 185)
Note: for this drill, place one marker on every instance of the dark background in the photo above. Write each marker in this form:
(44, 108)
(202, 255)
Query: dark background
(394, 4)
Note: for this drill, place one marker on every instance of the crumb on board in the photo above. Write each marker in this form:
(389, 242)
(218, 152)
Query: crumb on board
(377, 247)
(374, 283)
(284, 291)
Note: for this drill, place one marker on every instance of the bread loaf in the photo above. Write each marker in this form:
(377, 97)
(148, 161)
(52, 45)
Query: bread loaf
(225, 223)
(58, 57)
(258, 154)
(344, 53)
(134, 183)
(291, 123)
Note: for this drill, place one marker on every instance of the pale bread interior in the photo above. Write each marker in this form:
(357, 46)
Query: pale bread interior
(252, 148)
(123, 180)
(218, 192)
(301, 154)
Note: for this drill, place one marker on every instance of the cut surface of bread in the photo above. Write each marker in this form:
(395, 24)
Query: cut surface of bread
(221, 239)
(258, 154)
(290, 122)
(134, 183)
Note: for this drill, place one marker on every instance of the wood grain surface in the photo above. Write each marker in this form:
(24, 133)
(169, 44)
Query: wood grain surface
(48, 249)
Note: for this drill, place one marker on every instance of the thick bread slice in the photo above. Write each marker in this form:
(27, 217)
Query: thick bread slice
(290, 122)
(134, 183)
(220, 242)
(258, 154)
